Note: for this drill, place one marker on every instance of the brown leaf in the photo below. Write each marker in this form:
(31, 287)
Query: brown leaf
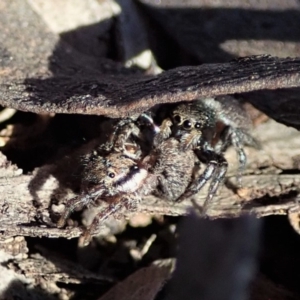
(143, 284)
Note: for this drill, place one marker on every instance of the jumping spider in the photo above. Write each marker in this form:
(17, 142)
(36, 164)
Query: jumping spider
(194, 126)
(123, 181)
(136, 161)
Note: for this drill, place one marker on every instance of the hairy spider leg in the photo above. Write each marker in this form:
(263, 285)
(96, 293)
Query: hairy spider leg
(216, 170)
(122, 134)
(150, 122)
(109, 145)
(125, 128)
(233, 136)
(130, 203)
(163, 133)
(217, 179)
(77, 203)
(190, 140)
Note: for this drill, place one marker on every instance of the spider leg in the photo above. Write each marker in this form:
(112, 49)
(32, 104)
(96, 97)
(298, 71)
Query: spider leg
(215, 170)
(242, 158)
(234, 136)
(163, 133)
(78, 203)
(120, 137)
(131, 127)
(72, 204)
(218, 177)
(130, 203)
(150, 123)
(190, 140)
(109, 145)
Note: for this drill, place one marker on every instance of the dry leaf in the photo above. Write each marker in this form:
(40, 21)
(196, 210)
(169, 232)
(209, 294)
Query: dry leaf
(143, 284)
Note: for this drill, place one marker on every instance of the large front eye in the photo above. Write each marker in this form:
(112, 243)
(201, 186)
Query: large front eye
(177, 119)
(111, 175)
(187, 124)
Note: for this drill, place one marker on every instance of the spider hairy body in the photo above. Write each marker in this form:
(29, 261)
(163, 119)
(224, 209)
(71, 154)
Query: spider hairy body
(173, 168)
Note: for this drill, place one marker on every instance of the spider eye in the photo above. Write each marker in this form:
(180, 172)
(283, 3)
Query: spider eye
(187, 124)
(177, 119)
(111, 175)
(134, 168)
(197, 125)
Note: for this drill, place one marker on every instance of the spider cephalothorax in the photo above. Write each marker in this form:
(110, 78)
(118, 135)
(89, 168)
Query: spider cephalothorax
(191, 123)
(115, 173)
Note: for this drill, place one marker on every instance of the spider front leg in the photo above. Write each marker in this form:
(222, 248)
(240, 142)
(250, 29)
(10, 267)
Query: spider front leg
(74, 203)
(78, 203)
(163, 133)
(216, 170)
(119, 127)
(221, 166)
(121, 202)
(190, 140)
(119, 138)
